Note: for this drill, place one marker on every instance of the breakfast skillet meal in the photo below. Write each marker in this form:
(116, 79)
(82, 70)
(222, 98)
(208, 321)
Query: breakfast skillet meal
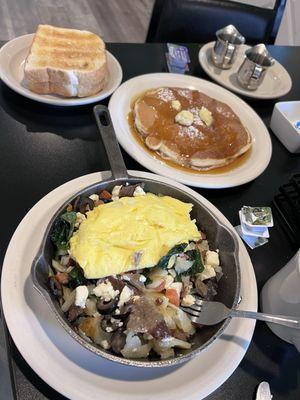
(66, 62)
(124, 263)
(189, 128)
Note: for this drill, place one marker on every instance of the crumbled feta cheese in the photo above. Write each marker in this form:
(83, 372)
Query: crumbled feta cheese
(176, 105)
(94, 197)
(185, 118)
(206, 116)
(106, 291)
(209, 272)
(125, 296)
(117, 311)
(142, 278)
(105, 344)
(139, 191)
(212, 258)
(115, 192)
(188, 300)
(81, 295)
(79, 219)
(109, 329)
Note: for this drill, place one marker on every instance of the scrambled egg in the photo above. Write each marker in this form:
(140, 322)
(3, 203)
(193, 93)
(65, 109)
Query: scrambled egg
(131, 233)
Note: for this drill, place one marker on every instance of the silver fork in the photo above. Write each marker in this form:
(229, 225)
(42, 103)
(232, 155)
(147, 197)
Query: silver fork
(211, 312)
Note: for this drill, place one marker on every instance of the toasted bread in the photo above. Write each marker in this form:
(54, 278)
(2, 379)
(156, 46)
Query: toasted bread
(67, 62)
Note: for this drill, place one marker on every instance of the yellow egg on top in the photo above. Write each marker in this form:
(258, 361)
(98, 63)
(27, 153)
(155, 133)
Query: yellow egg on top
(131, 233)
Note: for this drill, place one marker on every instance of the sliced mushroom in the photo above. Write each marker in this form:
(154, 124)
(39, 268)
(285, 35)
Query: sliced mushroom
(55, 287)
(86, 204)
(201, 287)
(109, 325)
(74, 312)
(118, 341)
(107, 307)
(76, 203)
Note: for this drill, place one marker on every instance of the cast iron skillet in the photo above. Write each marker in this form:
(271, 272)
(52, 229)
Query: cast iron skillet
(219, 237)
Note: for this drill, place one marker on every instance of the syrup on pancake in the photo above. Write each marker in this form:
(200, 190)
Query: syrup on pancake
(199, 145)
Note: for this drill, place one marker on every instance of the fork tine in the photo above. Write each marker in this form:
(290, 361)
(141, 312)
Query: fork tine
(195, 307)
(198, 300)
(190, 311)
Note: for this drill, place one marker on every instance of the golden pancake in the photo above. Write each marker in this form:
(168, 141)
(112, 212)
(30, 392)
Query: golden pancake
(190, 128)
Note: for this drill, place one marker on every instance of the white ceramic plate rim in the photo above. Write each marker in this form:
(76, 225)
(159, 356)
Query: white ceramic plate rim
(119, 107)
(247, 93)
(8, 51)
(79, 374)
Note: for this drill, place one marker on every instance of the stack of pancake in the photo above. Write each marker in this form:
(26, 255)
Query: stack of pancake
(190, 128)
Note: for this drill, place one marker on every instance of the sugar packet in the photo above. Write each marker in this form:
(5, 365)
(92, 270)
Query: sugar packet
(177, 58)
(251, 241)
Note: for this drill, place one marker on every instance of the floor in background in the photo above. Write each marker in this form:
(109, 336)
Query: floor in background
(113, 20)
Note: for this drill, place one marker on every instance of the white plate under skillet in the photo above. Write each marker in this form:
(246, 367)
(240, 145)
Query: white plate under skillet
(12, 59)
(254, 165)
(277, 81)
(80, 374)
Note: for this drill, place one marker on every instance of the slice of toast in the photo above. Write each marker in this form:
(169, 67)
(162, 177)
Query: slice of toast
(67, 62)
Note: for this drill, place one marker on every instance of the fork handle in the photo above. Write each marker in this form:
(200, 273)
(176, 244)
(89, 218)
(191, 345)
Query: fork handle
(291, 322)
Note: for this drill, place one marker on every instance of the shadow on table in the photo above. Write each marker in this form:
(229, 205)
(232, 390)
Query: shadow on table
(276, 362)
(72, 122)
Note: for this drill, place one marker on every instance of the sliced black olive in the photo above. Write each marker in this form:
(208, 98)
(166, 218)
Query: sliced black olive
(55, 287)
(108, 325)
(106, 307)
(118, 341)
(86, 204)
(74, 312)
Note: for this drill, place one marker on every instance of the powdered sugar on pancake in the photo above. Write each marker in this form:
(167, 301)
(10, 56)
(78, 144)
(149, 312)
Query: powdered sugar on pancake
(165, 94)
(190, 132)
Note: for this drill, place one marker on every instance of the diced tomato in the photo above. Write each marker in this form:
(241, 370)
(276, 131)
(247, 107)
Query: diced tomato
(62, 277)
(173, 296)
(105, 195)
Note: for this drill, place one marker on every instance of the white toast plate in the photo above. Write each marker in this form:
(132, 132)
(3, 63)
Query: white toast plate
(12, 59)
(78, 373)
(277, 81)
(254, 165)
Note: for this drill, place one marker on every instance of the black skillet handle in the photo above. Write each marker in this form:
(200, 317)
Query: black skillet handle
(114, 155)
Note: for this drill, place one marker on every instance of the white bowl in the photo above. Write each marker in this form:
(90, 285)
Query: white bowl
(283, 124)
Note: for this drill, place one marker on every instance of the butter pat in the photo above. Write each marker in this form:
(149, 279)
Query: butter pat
(206, 116)
(176, 105)
(184, 117)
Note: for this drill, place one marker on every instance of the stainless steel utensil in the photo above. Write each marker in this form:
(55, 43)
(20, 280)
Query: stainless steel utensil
(226, 46)
(254, 67)
(212, 312)
(218, 235)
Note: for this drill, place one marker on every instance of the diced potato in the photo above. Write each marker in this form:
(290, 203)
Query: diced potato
(212, 258)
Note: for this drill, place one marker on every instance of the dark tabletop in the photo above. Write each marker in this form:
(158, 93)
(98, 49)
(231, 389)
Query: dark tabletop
(42, 147)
